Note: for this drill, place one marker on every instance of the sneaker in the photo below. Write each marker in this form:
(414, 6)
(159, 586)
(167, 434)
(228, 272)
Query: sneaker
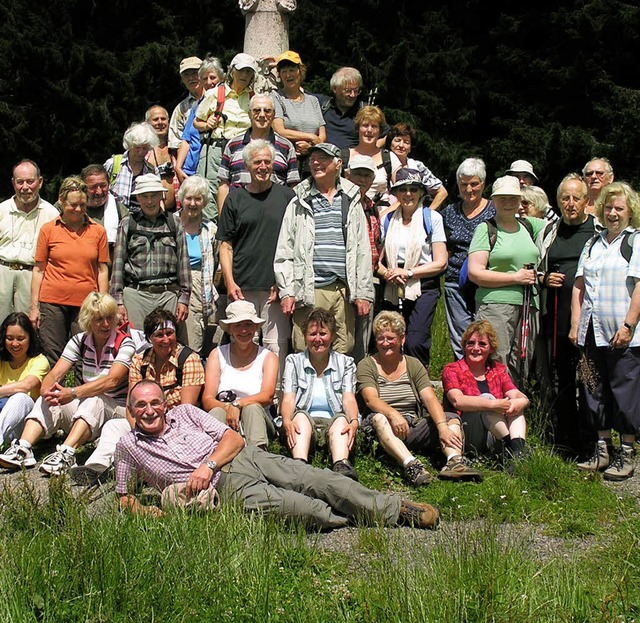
(417, 515)
(345, 468)
(598, 461)
(621, 467)
(17, 456)
(458, 468)
(58, 462)
(417, 473)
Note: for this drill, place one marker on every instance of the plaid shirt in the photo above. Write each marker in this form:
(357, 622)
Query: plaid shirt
(339, 377)
(190, 436)
(458, 376)
(192, 373)
(234, 172)
(608, 284)
(122, 186)
(137, 261)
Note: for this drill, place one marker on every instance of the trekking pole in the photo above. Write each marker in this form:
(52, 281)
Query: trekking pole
(554, 345)
(524, 325)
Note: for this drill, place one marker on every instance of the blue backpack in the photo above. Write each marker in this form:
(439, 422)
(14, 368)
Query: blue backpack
(426, 221)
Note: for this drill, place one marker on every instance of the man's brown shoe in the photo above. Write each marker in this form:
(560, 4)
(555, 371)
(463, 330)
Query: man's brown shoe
(417, 515)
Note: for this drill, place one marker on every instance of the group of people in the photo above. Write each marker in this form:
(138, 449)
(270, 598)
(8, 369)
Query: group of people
(291, 243)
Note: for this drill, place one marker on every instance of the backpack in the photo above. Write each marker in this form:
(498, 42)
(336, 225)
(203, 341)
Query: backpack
(466, 287)
(121, 333)
(182, 357)
(117, 165)
(345, 153)
(426, 222)
(626, 246)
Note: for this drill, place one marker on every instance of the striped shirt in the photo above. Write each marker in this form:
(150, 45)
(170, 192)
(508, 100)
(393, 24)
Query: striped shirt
(234, 171)
(608, 285)
(300, 376)
(190, 436)
(398, 394)
(92, 368)
(329, 251)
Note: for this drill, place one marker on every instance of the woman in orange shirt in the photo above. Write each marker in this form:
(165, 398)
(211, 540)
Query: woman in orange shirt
(71, 258)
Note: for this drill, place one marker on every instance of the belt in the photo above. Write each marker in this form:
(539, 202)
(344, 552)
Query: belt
(156, 288)
(16, 265)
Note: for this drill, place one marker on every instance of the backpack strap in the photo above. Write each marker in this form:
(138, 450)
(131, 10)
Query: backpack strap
(386, 164)
(220, 98)
(626, 246)
(426, 220)
(346, 202)
(492, 233)
(117, 165)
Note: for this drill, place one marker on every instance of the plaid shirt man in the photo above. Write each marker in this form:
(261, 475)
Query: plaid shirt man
(143, 260)
(189, 437)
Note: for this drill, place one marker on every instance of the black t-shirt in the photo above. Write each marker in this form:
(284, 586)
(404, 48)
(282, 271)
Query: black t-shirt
(251, 222)
(565, 253)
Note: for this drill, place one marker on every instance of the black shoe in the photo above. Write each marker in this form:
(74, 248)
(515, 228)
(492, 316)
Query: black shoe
(84, 476)
(345, 468)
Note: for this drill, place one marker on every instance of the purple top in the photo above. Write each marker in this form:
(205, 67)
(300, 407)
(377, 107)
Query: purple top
(189, 438)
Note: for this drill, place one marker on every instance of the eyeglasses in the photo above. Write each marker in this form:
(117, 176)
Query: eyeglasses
(481, 344)
(352, 91)
(596, 173)
(410, 189)
(142, 406)
(266, 111)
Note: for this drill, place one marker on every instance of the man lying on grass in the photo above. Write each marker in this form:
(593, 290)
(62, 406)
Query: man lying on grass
(190, 457)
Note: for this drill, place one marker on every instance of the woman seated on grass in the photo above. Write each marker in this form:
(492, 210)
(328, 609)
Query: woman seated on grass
(22, 369)
(104, 357)
(397, 391)
(482, 393)
(240, 379)
(319, 401)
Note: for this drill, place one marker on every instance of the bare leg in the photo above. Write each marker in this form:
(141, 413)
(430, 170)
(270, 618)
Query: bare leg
(303, 438)
(392, 444)
(450, 451)
(497, 425)
(517, 426)
(80, 433)
(32, 431)
(338, 443)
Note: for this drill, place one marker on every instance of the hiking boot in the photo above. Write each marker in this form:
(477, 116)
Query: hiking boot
(417, 473)
(345, 468)
(598, 461)
(17, 456)
(58, 462)
(86, 476)
(458, 468)
(417, 515)
(621, 467)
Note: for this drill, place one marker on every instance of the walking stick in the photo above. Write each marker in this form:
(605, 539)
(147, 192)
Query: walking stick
(524, 326)
(554, 344)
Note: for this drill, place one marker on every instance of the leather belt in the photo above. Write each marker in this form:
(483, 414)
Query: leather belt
(16, 265)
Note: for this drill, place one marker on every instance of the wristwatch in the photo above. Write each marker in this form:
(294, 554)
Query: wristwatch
(410, 274)
(73, 393)
(235, 404)
(628, 326)
(212, 465)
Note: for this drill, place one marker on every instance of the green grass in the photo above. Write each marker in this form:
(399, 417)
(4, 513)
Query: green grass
(60, 562)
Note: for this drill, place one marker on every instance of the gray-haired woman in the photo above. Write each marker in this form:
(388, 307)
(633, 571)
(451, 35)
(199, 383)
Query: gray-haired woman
(200, 234)
(460, 221)
(123, 169)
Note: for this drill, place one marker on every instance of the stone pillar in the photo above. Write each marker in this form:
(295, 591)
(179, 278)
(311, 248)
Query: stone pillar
(266, 31)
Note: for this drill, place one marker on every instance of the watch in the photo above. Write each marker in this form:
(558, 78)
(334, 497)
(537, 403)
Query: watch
(212, 465)
(235, 404)
(410, 274)
(73, 393)
(628, 326)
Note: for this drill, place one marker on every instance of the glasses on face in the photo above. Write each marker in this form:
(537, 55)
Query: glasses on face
(596, 173)
(142, 406)
(351, 91)
(479, 343)
(411, 189)
(266, 111)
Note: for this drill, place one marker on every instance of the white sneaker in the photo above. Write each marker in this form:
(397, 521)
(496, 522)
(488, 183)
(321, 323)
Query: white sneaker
(58, 462)
(17, 456)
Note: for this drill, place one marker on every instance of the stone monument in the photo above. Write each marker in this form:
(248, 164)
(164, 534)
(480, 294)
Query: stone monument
(266, 30)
